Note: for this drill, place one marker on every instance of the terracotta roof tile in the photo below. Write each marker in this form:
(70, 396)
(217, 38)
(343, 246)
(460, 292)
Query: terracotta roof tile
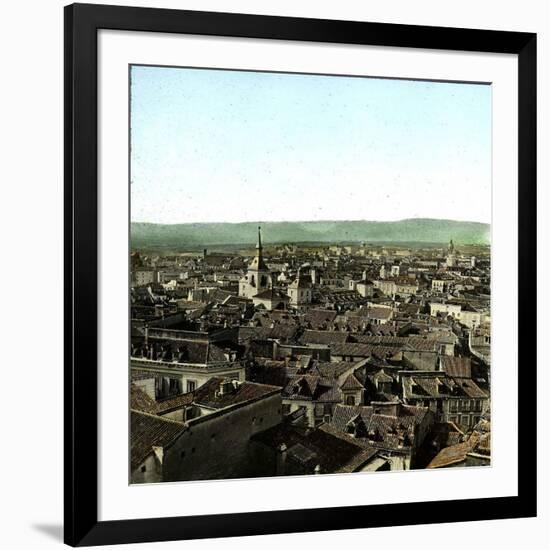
(351, 383)
(148, 431)
(209, 394)
(323, 337)
(455, 453)
(458, 367)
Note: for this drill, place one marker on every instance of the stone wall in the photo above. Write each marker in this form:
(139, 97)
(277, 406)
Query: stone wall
(216, 446)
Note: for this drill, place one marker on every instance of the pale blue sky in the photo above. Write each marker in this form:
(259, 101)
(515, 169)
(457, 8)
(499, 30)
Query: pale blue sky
(231, 146)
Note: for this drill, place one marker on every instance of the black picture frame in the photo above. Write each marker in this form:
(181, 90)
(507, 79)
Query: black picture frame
(82, 22)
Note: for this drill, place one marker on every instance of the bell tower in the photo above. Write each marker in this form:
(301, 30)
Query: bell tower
(451, 256)
(258, 276)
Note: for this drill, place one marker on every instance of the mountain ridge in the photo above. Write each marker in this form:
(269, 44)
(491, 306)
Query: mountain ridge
(429, 230)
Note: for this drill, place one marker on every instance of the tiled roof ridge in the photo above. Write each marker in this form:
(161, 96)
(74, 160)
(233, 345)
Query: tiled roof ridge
(159, 417)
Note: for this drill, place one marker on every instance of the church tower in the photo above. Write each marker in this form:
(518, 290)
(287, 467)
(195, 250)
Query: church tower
(299, 291)
(258, 276)
(451, 256)
(451, 247)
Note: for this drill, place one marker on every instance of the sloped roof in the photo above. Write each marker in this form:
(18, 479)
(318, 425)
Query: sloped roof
(280, 331)
(332, 369)
(140, 401)
(374, 313)
(320, 317)
(382, 430)
(323, 337)
(362, 350)
(470, 388)
(455, 453)
(333, 451)
(148, 431)
(272, 294)
(458, 367)
(439, 384)
(312, 388)
(351, 383)
(382, 376)
(208, 394)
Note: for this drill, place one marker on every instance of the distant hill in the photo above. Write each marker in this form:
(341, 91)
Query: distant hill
(193, 235)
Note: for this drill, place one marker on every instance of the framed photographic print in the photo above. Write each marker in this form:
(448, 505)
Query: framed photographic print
(299, 267)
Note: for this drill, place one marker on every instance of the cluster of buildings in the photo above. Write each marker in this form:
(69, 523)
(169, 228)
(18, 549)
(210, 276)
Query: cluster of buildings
(309, 359)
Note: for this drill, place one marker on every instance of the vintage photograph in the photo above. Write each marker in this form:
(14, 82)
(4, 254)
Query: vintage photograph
(310, 274)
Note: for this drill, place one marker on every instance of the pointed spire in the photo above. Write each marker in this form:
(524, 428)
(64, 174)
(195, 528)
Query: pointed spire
(259, 248)
(258, 261)
(259, 245)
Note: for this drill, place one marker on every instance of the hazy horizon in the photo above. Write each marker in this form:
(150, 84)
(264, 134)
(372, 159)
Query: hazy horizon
(311, 221)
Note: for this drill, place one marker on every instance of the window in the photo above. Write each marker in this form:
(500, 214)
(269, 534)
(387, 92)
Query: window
(143, 468)
(453, 405)
(350, 400)
(465, 420)
(191, 385)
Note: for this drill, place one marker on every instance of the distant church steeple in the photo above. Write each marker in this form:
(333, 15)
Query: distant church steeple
(258, 263)
(259, 244)
(258, 277)
(451, 256)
